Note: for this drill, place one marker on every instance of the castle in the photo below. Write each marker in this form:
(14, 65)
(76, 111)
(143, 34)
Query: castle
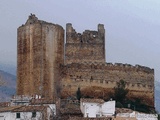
(49, 67)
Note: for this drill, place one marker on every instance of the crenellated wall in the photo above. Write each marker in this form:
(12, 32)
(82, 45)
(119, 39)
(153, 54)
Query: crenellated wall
(45, 65)
(86, 47)
(140, 79)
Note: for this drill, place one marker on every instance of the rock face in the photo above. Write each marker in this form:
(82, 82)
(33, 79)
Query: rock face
(44, 68)
(7, 86)
(40, 53)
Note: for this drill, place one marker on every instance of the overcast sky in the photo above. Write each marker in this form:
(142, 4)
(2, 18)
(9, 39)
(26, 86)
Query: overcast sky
(132, 26)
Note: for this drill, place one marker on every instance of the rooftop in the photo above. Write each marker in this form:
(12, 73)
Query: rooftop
(92, 100)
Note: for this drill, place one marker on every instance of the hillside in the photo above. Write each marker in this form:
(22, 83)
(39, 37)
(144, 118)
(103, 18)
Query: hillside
(8, 68)
(7, 85)
(157, 95)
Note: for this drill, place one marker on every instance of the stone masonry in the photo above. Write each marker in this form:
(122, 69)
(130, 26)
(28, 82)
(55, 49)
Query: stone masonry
(86, 47)
(45, 69)
(40, 53)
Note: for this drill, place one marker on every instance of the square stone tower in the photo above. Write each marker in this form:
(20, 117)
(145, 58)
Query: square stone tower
(86, 47)
(40, 54)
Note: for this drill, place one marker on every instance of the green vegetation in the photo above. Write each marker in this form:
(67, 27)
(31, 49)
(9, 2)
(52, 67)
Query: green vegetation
(120, 91)
(120, 95)
(78, 94)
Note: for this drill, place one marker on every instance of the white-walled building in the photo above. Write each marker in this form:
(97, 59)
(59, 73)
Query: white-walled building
(128, 114)
(44, 112)
(20, 100)
(27, 108)
(6, 113)
(93, 108)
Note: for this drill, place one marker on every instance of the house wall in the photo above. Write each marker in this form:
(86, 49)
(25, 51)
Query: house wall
(51, 110)
(28, 115)
(23, 116)
(136, 116)
(108, 108)
(91, 109)
(6, 116)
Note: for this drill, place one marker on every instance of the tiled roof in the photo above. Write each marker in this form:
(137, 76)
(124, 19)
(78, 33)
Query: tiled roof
(30, 108)
(123, 110)
(4, 104)
(41, 101)
(92, 100)
(23, 108)
(9, 109)
(70, 111)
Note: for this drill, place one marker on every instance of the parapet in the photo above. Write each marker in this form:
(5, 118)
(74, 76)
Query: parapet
(110, 66)
(88, 36)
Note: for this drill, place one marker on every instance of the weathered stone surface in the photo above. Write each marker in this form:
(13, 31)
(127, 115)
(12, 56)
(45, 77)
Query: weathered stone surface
(86, 47)
(40, 53)
(140, 80)
(44, 69)
(85, 67)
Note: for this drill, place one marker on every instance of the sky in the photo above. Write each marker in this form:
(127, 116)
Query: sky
(132, 26)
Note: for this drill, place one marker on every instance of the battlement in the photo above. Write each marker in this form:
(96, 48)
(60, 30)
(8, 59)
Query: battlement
(103, 77)
(110, 66)
(85, 47)
(88, 36)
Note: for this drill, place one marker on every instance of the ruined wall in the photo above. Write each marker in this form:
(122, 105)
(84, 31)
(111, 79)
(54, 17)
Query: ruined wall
(41, 57)
(86, 47)
(40, 53)
(89, 76)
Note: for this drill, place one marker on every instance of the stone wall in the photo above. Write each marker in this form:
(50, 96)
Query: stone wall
(100, 78)
(40, 53)
(86, 47)
(44, 69)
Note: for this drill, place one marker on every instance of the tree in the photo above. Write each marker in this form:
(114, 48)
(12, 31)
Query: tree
(120, 91)
(78, 93)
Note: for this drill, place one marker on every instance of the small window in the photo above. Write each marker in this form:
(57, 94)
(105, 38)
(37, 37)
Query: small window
(18, 115)
(33, 114)
(97, 115)
(101, 81)
(91, 79)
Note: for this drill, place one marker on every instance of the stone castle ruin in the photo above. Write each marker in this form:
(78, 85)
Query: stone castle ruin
(49, 67)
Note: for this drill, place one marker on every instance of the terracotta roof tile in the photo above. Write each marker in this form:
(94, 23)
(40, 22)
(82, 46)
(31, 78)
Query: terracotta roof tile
(41, 101)
(8, 109)
(4, 104)
(92, 100)
(30, 108)
(123, 110)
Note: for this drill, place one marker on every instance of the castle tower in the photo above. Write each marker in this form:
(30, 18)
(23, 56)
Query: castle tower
(40, 54)
(86, 47)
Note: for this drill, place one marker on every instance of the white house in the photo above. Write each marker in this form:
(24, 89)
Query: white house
(143, 116)
(93, 108)
(20, 100)
(123, 113)
(5, 113)
(27, 112)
